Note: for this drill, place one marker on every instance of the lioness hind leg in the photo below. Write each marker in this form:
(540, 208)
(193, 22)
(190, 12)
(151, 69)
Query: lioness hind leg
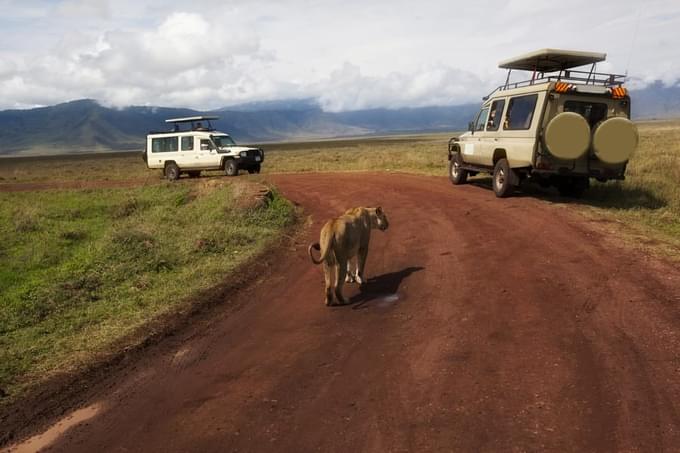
(328, 277)
(361, 264)
(342, 271)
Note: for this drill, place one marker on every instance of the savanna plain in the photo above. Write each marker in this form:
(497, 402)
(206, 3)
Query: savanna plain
(96, 248)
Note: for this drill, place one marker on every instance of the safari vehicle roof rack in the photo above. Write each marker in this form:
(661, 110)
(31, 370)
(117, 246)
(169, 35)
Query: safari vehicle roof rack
(195, 121)
(549, 65)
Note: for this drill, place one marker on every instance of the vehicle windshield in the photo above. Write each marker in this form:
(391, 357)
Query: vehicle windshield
(223, 141)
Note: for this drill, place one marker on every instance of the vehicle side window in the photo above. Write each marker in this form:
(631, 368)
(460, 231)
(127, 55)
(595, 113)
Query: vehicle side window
(520, 112)
(481, 119)
(495, 116)
(593, 112)
(164, 144)
(187, 143)
(206, 145)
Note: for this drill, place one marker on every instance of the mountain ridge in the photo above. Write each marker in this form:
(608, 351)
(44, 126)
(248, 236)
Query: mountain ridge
(85, 125)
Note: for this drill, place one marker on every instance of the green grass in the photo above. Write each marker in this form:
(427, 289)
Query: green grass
(648, 201)
(81, 269)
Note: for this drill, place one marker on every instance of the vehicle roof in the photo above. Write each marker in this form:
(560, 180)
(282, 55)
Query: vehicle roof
(190, 119)
(203, 133)
(550, 60)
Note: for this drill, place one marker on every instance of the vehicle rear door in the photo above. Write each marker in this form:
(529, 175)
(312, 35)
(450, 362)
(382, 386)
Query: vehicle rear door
(190, 154)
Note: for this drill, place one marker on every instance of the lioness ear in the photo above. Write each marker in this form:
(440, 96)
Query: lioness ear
(378, 210)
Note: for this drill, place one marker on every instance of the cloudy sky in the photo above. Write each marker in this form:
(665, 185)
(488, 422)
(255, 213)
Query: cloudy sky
(347, 54)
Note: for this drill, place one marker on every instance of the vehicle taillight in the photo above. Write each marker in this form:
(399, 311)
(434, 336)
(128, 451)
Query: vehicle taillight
(562, 87)
(619, 92)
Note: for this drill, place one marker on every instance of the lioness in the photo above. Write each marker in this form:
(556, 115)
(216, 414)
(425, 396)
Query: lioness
(341, 239)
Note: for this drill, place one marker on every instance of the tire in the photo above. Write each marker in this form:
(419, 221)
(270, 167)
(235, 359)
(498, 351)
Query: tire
(502, 186)
(258, 168)
(194, 174)
(456, 174)
(251, 171)
(172, 171)
(231, 168)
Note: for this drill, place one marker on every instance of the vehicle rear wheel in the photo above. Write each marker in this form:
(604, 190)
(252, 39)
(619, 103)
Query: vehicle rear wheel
(172, 171)
(231, 168)
(456, 174)
(194, 174)
(502, 185)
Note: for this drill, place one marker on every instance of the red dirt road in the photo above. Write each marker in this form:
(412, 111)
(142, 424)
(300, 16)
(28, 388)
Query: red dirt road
(486, 325)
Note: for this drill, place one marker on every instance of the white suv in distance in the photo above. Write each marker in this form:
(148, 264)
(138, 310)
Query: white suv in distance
(196, 148)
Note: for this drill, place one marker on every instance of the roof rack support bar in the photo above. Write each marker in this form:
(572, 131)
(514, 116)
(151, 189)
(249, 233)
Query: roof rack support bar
(507, 80)
(592, 69)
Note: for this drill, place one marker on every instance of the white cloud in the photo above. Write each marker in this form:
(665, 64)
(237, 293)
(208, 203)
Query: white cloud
(85, 8)
(348, 54)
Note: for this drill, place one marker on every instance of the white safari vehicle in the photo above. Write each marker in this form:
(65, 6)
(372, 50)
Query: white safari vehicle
(560, 127)
(194, 145)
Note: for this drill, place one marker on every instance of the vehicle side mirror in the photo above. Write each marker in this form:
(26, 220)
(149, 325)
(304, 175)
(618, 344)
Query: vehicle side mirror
(471, 126)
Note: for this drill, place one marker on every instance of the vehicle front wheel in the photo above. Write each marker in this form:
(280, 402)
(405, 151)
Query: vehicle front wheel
(456, 174)
(231, 168)
(172, 171)
(502, 186)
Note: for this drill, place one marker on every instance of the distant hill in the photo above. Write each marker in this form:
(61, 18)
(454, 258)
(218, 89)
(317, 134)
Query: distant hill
(656, 101)
(86, 126)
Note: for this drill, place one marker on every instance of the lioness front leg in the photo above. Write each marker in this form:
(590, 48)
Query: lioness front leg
(342, 271)
(361, 264)
(350, 275)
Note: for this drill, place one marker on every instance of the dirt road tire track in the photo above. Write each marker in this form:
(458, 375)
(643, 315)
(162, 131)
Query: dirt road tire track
(486, 325)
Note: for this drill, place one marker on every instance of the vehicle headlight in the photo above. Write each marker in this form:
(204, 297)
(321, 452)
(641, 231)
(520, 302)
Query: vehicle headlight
(244, 154)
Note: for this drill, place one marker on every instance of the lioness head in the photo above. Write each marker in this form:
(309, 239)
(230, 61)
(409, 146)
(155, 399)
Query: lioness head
(379, 219)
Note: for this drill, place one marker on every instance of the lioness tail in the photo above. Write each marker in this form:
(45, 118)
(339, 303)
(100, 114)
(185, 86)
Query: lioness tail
(325, 248)
(315, 246)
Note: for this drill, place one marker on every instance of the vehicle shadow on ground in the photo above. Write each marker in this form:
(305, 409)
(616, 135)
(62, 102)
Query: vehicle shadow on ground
(601, 195)
(381, 287)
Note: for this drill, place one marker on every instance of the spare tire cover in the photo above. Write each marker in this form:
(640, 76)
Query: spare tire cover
(567, 136)
(615, 140)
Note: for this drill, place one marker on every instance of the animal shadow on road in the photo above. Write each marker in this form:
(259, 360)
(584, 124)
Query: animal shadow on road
(382, 286)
